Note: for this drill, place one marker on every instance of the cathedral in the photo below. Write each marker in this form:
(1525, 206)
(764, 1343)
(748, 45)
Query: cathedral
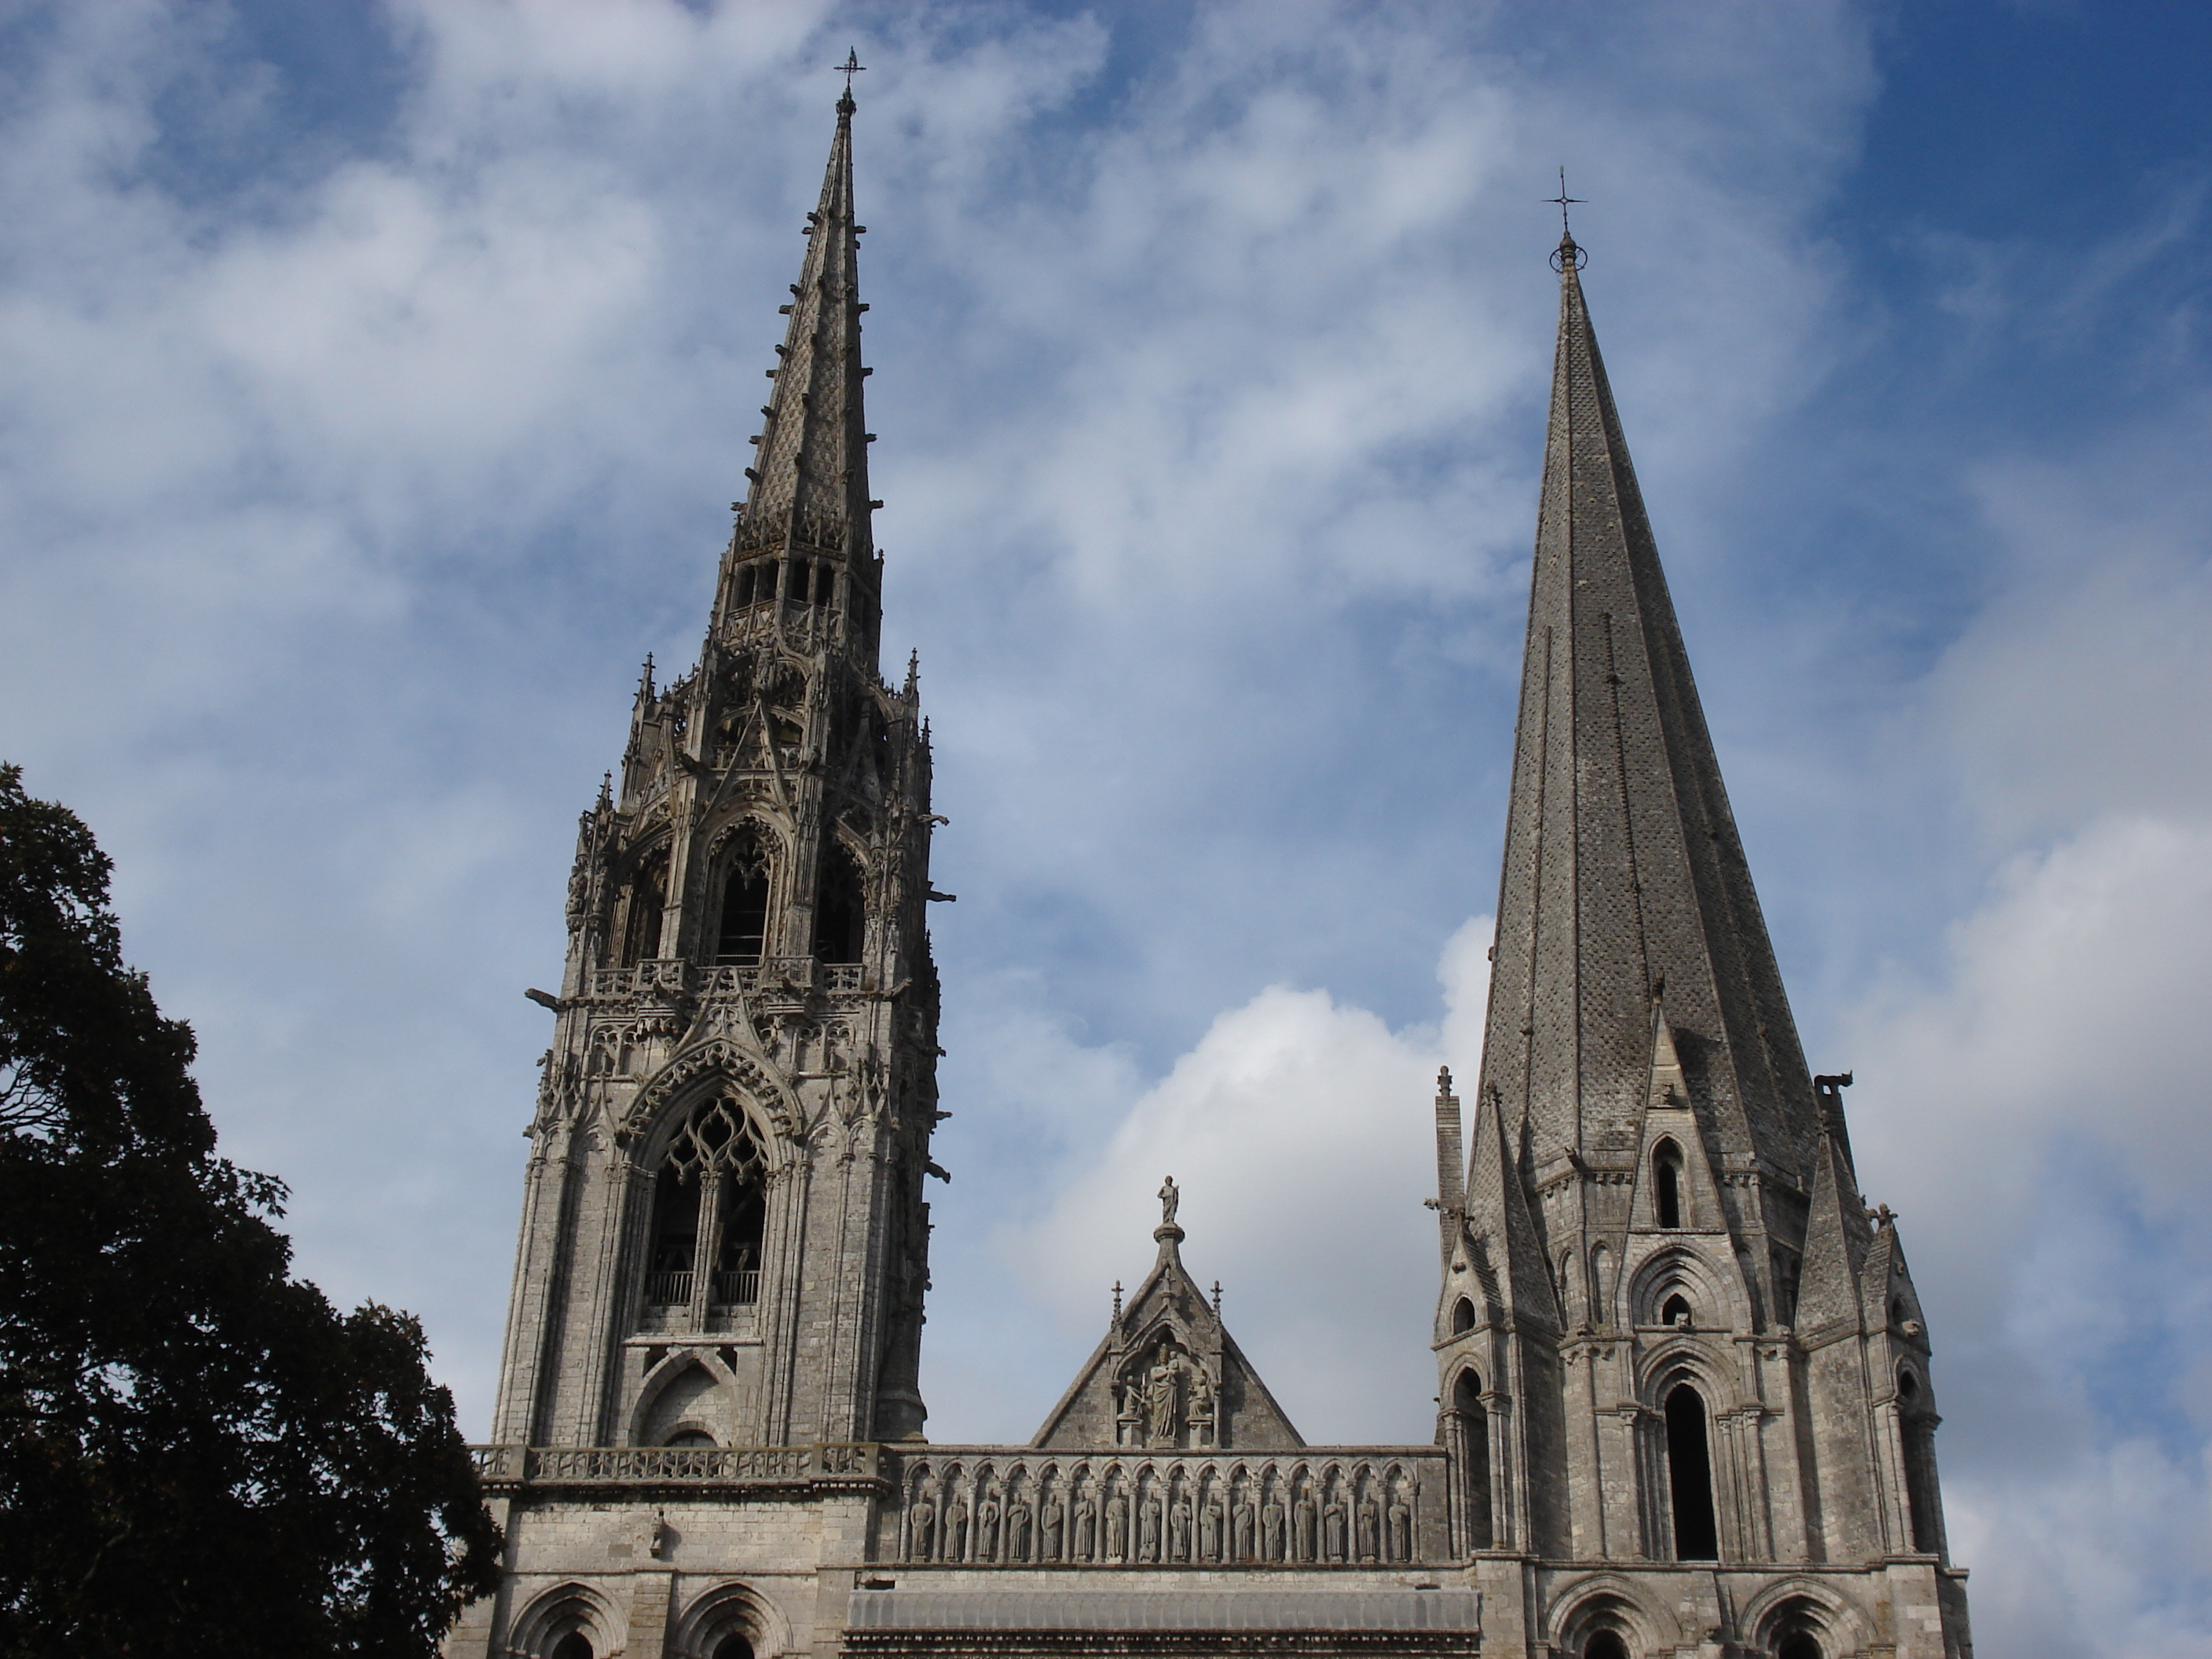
(1685, 1405)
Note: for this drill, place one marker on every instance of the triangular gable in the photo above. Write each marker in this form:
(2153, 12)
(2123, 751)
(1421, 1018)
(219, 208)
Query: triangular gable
(1168, 1375)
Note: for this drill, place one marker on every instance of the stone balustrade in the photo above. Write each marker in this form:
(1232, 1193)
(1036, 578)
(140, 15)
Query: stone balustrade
(778, 977)
(614, 1466)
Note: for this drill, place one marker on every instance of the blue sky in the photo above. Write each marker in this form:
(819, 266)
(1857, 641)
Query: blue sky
(378, 375)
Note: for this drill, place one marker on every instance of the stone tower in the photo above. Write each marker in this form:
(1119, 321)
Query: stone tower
(1685, 1374)
(723, 1240)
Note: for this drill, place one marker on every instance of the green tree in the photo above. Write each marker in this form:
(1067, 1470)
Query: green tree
(198, 1454)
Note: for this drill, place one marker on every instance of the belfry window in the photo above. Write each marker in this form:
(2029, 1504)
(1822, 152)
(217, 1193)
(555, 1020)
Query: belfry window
(1470, 1424)
(709, 1213)
(1462, 1316)
(648, 899)
(841, 913)
(744, 932)
(1690, 1476)
(1916, 1430)
(1676, 1310)
(1667, 1183)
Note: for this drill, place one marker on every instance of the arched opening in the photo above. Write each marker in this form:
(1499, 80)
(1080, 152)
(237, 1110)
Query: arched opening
(1916, 1426)
(1799, 1644)
(1667, 1183)
(841, 913)
(1605, 1644)
(675, 1239)
(1676, 1310)
(710, 1212)
(1690, 1476)
(574, 1646)
(1462, 1316)
(690, 1437)
(733, 1646)
(744, 932)
(1471, 1425)
(648, 902)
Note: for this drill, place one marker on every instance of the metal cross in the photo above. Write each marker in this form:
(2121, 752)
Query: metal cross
(1563, 201)
(853, 66)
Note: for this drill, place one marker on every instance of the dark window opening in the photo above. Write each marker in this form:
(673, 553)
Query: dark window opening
(744, 904)
(1690, 1477)
(1605, 1644)
(574, 1646)
(1924, 1507)
(1667, 1182)
(675, 1239)
(691, 1437)
(1676, 1312)
(648, 899)
(733, 1647)
(1799, 1644)
(841, 915)
(1462, 1316)
(742, 593)
(1473, 1428)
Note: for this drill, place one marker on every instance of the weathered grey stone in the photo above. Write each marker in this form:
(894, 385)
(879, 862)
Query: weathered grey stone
(1668, 1326)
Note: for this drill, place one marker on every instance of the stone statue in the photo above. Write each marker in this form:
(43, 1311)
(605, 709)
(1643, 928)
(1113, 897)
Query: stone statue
(1160, 1401)
(1337, 1533)
(1171, 1197)
(1302, 1521)
(956, 1531)
(1401, 1533)
(1240, 1531)
(1370, 1532)
(1017, 1533)
(1202, 1405)
(1148, 1531)
(922, 1529)
(1271, 1528)
(1117, 1528)
(1086, 1527)
(1179, 1532)
(986, 1531)
(1209, 1533)
(1053, 1530)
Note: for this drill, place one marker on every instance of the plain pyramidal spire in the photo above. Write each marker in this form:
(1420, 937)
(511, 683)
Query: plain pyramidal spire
(1623, 872)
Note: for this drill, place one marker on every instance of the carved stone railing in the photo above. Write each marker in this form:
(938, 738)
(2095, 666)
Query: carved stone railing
(605, 1467)
(1324, 1506)
(777, 976)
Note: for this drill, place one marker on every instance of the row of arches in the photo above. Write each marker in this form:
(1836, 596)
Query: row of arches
(1615, 1618)
(795, 581)
(1688, 1456)
(743, 900)
(576, 1620)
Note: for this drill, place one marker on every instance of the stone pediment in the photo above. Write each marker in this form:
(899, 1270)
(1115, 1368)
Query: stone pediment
(1168, 1375)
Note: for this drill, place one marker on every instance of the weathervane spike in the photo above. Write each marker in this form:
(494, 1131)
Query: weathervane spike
(851, 67)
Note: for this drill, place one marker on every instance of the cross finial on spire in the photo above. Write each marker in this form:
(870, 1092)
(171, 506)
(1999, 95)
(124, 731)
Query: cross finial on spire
(851, 67)
(1567, 252)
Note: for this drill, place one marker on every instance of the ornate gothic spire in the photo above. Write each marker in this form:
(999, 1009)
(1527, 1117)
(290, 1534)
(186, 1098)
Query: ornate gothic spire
(1624, 878)
(807, 492)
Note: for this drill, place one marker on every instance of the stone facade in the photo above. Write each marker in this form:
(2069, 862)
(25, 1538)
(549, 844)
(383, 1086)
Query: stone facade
(1685, 1402)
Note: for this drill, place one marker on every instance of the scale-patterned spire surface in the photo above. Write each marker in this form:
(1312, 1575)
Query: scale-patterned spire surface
(1624, 878)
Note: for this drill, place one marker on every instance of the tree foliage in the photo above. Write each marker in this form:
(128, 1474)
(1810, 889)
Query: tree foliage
(198, 1454)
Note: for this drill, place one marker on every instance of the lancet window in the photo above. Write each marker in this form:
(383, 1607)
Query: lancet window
(1667, 1183)
(744, 932)
(1916, 1429)
(710, 1212)
(647, 901)
(1470, 1426)
(1690, 1476)
(841, 914)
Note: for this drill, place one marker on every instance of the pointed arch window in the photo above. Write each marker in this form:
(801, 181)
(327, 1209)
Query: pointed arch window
(841, 913)
(648, 902)
(1690, 1476)
(1676, 1310)
(1667, 1183)
(710, 1212)
(743, 935)
(1799, 1644)
(1605, 1644)
(1470, 1428)
(574, 1646)
(1462, 1316)
(1916, 1430)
